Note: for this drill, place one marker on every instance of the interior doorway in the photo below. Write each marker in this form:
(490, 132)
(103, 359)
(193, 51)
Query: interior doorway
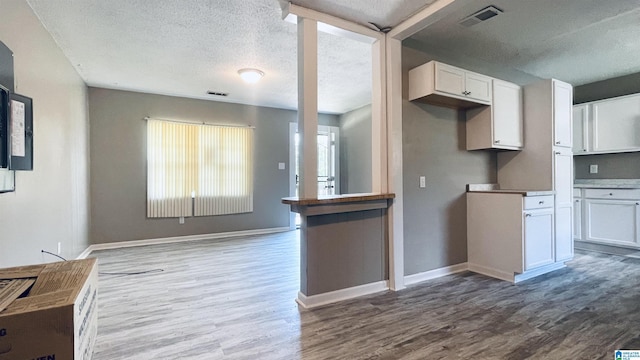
(328, 163)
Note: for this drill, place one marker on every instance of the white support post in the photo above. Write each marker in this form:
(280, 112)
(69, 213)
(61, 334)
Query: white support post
(379, 119)
(394, 156)
(308, 107)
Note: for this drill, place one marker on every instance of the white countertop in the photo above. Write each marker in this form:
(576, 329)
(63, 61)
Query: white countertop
(607, 183)
(495, 188)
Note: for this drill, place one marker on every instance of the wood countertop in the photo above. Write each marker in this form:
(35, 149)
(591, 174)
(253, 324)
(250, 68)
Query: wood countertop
(337, 199)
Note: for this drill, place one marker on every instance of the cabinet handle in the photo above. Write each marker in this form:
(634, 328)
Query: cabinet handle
(527, 215)
(585, 150)
(557, 142)
(610, 194)
(638, 203)
(577, 201)
(557, 152)
(540, 202)
(497, 141)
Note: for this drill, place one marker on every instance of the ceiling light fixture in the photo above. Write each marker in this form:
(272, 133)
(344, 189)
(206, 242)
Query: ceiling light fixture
(251, 76)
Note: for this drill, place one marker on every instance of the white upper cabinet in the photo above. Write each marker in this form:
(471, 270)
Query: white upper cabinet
(616, 124)
(507, 114)
(562, 114)
(580, 129)
(441, 84)
(500, 125)
(607, 126)
(478, 86)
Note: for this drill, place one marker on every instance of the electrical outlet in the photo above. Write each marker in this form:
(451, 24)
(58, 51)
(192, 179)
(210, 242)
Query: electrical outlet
(59, 248)
(423, 182)
(181, 220)
(593, 169)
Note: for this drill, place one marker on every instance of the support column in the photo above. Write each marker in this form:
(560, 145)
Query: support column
(308, 107)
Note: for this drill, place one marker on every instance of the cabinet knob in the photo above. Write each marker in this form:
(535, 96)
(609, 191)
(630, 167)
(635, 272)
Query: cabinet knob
(527, 215)
(540, 202)
(638, 203)
(577, 201)
(584, 150)
(557, 152)
(610, 194)
(557, 142)
(497, 141)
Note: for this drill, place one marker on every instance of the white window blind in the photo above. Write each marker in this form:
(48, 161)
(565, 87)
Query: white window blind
(198, 170)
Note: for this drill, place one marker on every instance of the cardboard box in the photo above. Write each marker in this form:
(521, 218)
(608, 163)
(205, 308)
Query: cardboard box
(50, 311)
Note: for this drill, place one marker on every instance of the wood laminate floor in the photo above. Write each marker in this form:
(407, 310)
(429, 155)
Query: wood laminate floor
(234, 299)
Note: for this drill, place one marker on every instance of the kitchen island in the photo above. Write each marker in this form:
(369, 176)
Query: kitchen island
(343, 246)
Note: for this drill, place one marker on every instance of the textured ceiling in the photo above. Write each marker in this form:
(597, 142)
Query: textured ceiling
(578, 41)
(188, 47)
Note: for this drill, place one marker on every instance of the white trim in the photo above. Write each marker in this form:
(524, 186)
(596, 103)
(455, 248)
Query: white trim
(425, 17)
(176, 239)
(434, 274)
(310, 302)
(85, 253)
(513, 277)
(538, 271)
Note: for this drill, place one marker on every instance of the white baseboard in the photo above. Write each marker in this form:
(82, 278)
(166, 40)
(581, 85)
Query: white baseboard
(434, 274)
(175, 239)
(538, 271)
(513, 277)
(309, 302)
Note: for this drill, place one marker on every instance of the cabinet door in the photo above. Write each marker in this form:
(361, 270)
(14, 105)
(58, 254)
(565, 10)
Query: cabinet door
(562, 112)
(507, 114)
(563, 233)
(616, 124)
(577, 219)
(538, 238)
(580, 129)
(450, 79)
(478, 86)
(612, 221)
(563, 177)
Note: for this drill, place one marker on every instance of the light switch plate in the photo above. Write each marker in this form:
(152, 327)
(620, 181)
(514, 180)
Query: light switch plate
(423, 182)
(593, 169)
(281, 166)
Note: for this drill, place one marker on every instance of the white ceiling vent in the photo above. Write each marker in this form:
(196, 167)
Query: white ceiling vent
(480, 16)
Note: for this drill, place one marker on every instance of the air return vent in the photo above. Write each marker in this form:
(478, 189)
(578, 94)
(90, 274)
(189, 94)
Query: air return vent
(217, 93)
(480, 16)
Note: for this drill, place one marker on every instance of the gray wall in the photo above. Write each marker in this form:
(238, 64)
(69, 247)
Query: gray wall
(50, 204)
(355, 151)
(118, 164)
(610, 166)
(435, 218)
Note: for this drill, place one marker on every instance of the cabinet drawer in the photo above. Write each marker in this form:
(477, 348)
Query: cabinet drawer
(625, 194)
(538, 202)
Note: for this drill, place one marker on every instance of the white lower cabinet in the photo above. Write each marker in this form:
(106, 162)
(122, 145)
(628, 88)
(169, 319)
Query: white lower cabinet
(538, 238)
(511, 236)
(612, 221)
(577, 218)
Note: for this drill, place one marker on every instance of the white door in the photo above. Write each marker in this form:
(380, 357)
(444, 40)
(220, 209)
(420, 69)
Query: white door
(538, 238)
(580, 128)
(449, 79)
(562, 113)
(328, 139)
(478, 86)
(507, 113)
(612, 221)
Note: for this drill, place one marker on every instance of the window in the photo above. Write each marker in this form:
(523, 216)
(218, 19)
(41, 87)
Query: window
(198, 170)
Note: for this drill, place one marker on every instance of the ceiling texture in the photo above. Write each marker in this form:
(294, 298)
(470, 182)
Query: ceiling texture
(189, 47)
